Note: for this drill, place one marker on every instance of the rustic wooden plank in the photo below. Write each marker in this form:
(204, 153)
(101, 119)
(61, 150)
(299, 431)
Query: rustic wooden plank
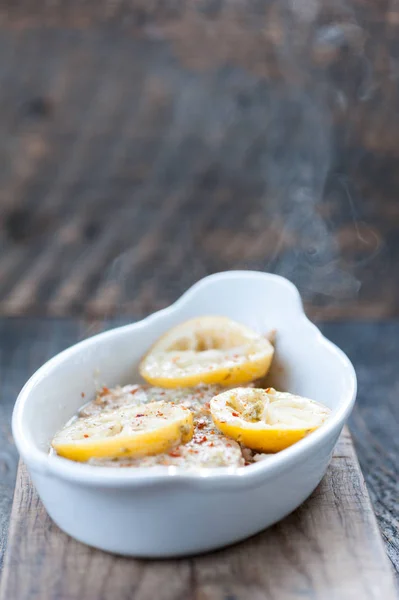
(374, 350)
(330, 548)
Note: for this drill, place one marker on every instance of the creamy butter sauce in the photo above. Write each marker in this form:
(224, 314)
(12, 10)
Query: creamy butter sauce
(207, 448)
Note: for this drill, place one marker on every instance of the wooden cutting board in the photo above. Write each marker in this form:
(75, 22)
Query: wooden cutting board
(328, 549)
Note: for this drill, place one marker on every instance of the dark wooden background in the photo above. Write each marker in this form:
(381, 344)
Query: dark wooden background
(144, 144)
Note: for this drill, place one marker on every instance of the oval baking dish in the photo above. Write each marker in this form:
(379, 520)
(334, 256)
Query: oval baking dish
(165, 511)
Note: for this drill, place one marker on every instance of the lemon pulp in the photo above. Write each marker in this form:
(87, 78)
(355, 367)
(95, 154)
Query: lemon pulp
(266, 420)
(210, 350)
(130, 431)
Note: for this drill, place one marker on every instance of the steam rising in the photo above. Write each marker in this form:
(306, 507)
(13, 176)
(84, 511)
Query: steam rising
(296, 167)
(267, 147)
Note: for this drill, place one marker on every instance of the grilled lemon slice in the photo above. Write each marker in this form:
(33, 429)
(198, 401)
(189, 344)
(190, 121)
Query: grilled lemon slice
(266, 420)
(211, 350)
(131, 431)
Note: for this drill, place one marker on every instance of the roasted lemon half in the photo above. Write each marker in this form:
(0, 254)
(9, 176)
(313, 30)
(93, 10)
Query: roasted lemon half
(131, 431)
(266, 420)
(211, 350)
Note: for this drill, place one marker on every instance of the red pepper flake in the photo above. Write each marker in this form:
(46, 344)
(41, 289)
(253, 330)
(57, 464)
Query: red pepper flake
(105, 391)
(211, 444)
(200, 425)
(201, 440)
(85, 435)
(207, 405)
(267, 390)
(83, 394)
(140, 415)
(235, 414)
(175, 453)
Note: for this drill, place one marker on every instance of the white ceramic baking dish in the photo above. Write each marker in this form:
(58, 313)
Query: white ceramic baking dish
(161, 511)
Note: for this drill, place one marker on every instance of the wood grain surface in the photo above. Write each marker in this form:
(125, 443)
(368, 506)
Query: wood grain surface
(144, 144)
(329, 549)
